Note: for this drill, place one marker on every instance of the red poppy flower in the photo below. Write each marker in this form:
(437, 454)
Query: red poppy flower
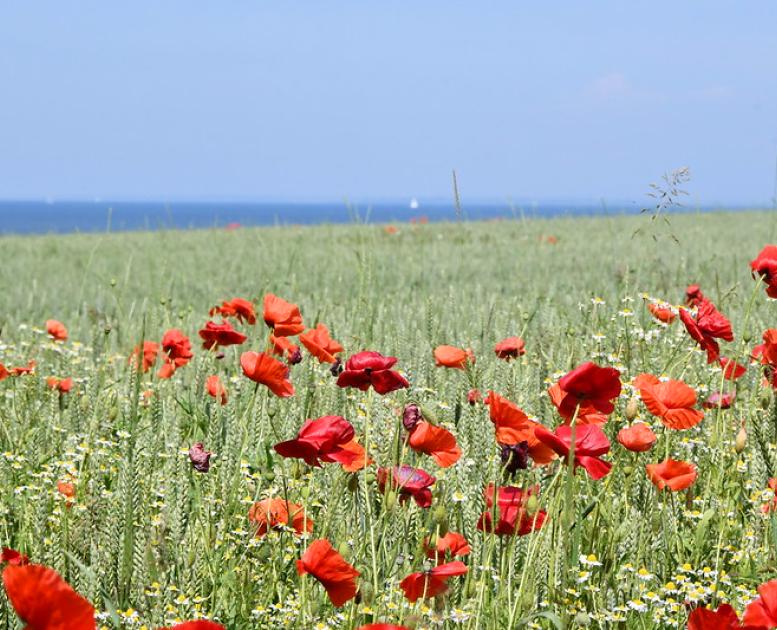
(672, 474)
(638, 438)
(320, 440)
(716, 400)
(283, 317)
(512, 518)
(63, 385)
(724, 618)
(260, 367)
(586, 413)
(44, 601)
(590, 444)
(435, 441)
(474, 396)
(27, 369)
(731, 369)
(326, 565)
(708, 325)
(238, 308)
(283, 346)
(270, 514)
(762, 611)
(671, 401)
(216, 389)
(662, 313)
(13, 557)
(320, 344)
(766, 353)
(150, 354)
(589, 384)
(199, 457)
(178, 349)
(56, 330)
(765, 265)
(513, 426)
(371, 368)
(432, 582)
(452, 545)
(693, 295)
(453, 357)
(67, 489)
(215, 335)
(408, 482)
(358, 455)
(200, 624)
(510, 348)
(4, 373)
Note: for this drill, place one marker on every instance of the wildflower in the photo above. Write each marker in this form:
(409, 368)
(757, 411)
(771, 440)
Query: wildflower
(510, 348)
(56, 330)
(661, 312)
(510, 506)
(731, 369)
(693, 295)
(371, 368)
(199, 457)
(283, 317)
(590, 444)
(282, 345)
(474, 396)
(765, 265)
(671, 401)
(432, 582)
(260, 367)
(718, 400)
(708, 325)
(216, 389)
(150, 353)
(20, 371)
(513, 426)
(215, 335)
(453, 357)
(639, 437)
(326, 565)
(270, 514)
(672, 474)
(320, 344)
(13, 557)
(320, 440)
(514, 457)
(408, 482)
(452, 544)
(62, 385)
(44, 601)
(435, 441)
(586, 414)
(589, 384)
(178, 349)
(238, 308)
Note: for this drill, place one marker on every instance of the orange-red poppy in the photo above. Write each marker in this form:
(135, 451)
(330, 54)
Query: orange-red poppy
(671, 401)
(214, 335)
(67, 489)
(11, 556)
(765, 265)
(731, 369)
(4, 373)
(281, 346)
(453, 357)
(708, 324)
(27, 369)
(320, 440)
(238, 308)
(368, 368)
(590, 444)
(56, 330)
(337, 577)
(435, 441)
(260, 367)
(662, 312)
(586, 414)
(176, 350)
(320, 344)
(451, 545)
(62, 385)
(693, 295)
(638, 438)
(359, 458)
(283, 317)
(723, 618)
(150, 354)
(672, 474)
(510, 348)
(408, 482)
(215, 388)
(508, 505)
(762, 611)
(44, 601)
(431, 583)
(513, 426)
(589, 385)
(269, 514)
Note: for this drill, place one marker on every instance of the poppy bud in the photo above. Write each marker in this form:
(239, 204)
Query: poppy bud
(269, 476)
(429, 415)
(390, 500)
(369, 477)
(766, 398)
(336, 368)
(439, 515)
(628, 470)
(515, 457)
(353, 483)
(582, 619)
(113, 413)
(305, 492)
(162, 301)
(84, 402)
(366, 591)
(107, 329)
(113, 282)
(632, 409)
(344, 549)
(411, 416)
(747, 336)
(532, 505)
(296, 357)
(741, 440)
(200, 458)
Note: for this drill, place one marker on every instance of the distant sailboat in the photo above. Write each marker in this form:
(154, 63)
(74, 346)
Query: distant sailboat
(414, 204)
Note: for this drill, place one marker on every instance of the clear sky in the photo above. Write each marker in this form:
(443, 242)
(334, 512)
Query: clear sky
(374, 100)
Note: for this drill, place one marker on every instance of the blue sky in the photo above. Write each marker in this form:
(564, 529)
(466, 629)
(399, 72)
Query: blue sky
(374, 100)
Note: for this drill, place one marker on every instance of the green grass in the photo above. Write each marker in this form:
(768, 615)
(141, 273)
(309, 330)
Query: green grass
(148, 533)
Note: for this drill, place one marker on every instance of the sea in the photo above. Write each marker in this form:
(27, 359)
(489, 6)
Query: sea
(54, 216)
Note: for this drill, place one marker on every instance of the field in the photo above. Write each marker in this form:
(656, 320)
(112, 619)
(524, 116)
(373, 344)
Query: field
(151, 541)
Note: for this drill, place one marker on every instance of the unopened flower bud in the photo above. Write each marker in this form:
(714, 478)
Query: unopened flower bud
(200, 458)
(411, 416)
(296, 357)
(741, 440)
(390, 500)
(532, 505)
(632, 409)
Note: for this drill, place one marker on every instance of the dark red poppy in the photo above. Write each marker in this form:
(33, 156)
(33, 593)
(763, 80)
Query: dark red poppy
(431, 583)
(408, 482)
(44, 601)
(214, 335)
(637, 438)
(453, 357)
(435, 441)
(326, 565)
(177, 352)
(56, 330)
(708, 325)
(238, 308)
(320, 440)
(693, 295)
(762, 611)
(510, 348)
(449, 546)
(215, 388)
(765, 265)
(62, 385)
(283, 317)
(508, 505)
(589, 384)
(260, 367)
(13, 557)
(724, 618)
(590, 444)
(371, 368)
(150, 354)
(731, 369)
(716, 400)
(283, 346)
(320, 344)
(199, 457)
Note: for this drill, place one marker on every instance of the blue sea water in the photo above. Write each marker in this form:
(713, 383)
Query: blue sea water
(31, 217)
